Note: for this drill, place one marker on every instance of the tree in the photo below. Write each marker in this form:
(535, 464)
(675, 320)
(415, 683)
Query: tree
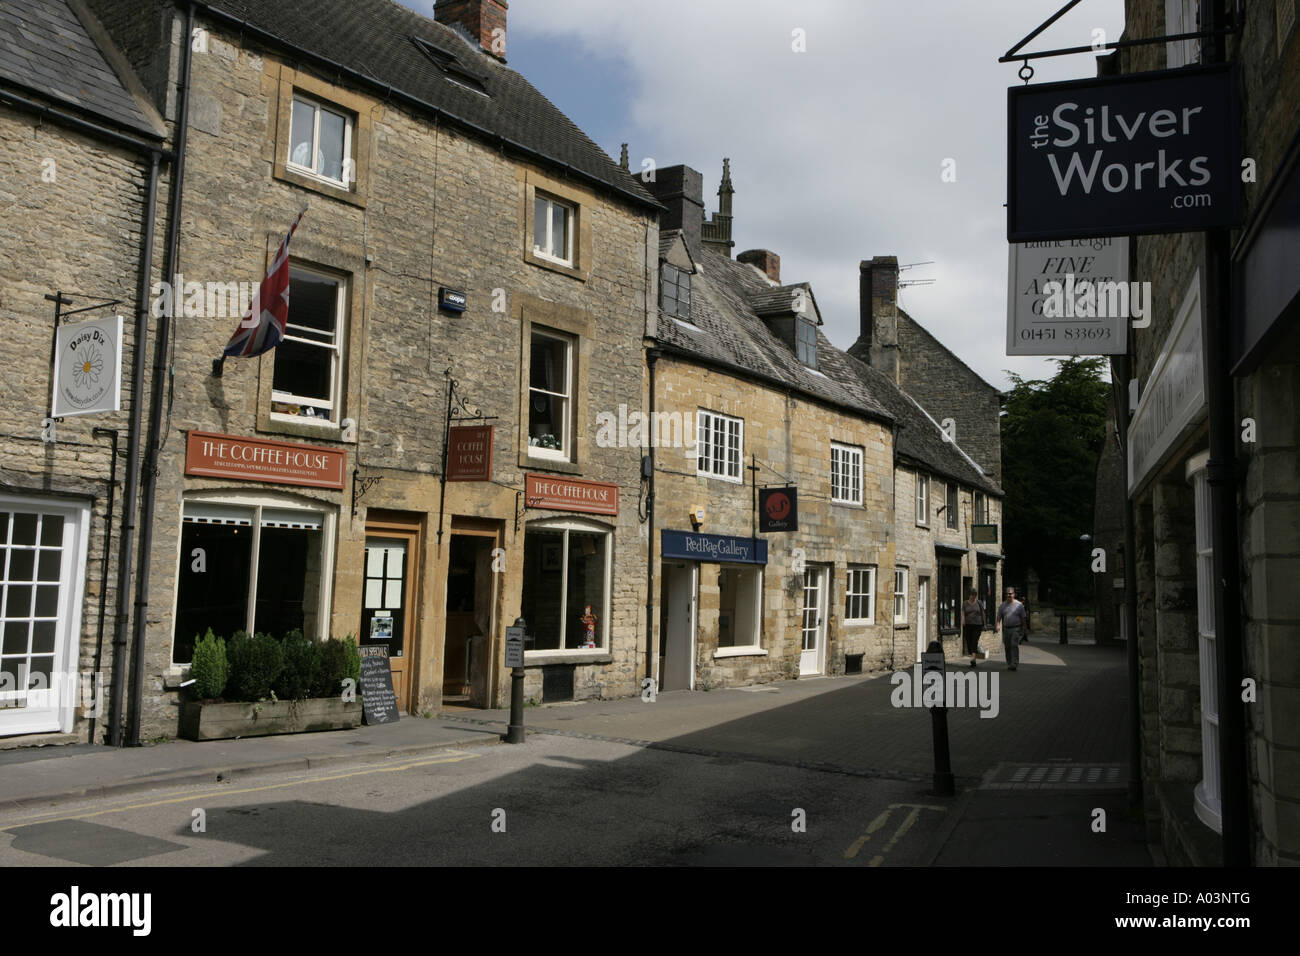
(1052, 435)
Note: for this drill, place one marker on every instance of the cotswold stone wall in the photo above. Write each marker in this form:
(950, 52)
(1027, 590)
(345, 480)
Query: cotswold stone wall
(430, 207)
(946, 388)
(792, 437)
(72, 222)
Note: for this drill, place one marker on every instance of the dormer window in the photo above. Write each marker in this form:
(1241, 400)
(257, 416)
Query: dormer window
(675, 291)
(806, 343)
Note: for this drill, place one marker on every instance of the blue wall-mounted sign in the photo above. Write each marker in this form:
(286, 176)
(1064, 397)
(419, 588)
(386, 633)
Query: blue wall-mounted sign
(452, 300)
(723, 548)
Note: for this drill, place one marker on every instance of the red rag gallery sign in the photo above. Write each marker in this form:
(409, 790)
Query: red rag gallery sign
(257, 459)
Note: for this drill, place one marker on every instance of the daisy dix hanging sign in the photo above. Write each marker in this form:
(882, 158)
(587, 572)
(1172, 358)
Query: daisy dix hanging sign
(88, 367)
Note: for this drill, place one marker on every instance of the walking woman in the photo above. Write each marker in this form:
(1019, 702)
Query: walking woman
(972, 621)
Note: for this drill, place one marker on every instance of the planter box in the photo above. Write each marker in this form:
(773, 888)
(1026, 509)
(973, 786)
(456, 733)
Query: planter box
(204, 721)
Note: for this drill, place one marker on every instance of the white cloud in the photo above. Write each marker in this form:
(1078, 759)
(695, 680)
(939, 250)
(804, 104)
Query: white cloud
(836, 153)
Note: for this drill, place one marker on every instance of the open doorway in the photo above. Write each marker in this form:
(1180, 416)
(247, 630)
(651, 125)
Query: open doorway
(470, 620)
(677, 626)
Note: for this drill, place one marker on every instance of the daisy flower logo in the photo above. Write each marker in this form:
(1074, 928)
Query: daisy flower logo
(89, 367)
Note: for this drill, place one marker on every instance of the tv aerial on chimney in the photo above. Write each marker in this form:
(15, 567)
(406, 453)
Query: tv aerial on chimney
(911, 265)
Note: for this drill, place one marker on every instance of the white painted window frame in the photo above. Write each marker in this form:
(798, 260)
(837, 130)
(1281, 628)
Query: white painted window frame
(705, 445)
(846, 473)
(602, 627)
(332, 405)
(900, 592)
(318, 106)
(570, 219)
(869, 593)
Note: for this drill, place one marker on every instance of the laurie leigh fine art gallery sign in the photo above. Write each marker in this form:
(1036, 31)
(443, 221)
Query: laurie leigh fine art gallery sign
(1142, 153)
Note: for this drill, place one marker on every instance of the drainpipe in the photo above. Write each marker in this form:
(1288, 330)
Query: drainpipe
(1121, 371)
(161, 371)
(651, 356)
(112, 434)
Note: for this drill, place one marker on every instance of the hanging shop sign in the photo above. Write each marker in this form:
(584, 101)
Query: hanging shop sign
(1141, 153)
(570, 494)
(723, 548)
(469, 453)
(983, 534)
(778, 509)
(1173, 400)
(88, 367)
(1071, 297)
(257, 459)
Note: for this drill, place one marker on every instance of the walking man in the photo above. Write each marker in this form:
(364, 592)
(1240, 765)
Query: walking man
(972, 623)
(1012, 618)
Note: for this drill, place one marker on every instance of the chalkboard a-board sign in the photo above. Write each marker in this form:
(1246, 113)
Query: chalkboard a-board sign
(378, 702)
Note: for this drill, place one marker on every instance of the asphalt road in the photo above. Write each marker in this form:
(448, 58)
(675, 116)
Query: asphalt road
(558, 800)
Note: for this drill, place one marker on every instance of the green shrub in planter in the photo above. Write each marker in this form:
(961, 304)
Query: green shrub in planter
(255, 663)
(209, 667)
(301, 661)
(333, 668)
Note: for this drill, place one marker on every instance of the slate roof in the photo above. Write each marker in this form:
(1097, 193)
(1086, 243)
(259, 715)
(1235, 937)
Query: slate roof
(727, 332)
(953, 355)
(918, 437)
(374, 38)
(46, 49)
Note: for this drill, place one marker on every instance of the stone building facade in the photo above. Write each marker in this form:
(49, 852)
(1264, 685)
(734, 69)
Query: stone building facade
(1181, 752)
(74, 124)
(467, 258)
(739, 355)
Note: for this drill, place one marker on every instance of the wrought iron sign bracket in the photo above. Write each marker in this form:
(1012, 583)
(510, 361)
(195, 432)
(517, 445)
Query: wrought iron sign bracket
(360, 486)
(459, 409)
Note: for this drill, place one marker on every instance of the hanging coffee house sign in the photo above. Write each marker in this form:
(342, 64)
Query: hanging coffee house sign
(1141, 153)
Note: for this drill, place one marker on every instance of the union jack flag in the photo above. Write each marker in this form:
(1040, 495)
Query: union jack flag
(262, 327)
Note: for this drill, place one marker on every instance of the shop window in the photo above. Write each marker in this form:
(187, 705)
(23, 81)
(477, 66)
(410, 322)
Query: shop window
(675, 291)
(552, 229)
(846, 474)
(950, 505)
(922, 499)
(719, 439)
(550, 395)
(566, 586)
(1207, 796)
(740, 590)
(949, 597)
(320, 141)
(860, 594)
(249, 568)
(307, 382)
(900, 595)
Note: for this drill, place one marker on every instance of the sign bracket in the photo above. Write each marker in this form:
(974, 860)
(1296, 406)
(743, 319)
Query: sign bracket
(365, 484)
(459, 409)
(60, 300)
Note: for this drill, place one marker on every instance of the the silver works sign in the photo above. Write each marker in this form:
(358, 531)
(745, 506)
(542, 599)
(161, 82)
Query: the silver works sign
(1142, 153)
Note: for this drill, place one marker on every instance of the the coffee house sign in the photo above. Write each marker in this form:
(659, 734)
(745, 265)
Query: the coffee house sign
(1147, 152)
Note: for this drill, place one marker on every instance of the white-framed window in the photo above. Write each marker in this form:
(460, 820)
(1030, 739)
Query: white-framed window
(740, 605)
(806, 343)
(307, 384)
(43, 548)
(950, 505)
(846, 474)
(860, 594)
(252, 563)
(550, 395)
(1207, 798)
(922, 499)
(566, 588)
(981, 508)
(900, 595)
(720, 441)
(552, 229)
(320, 141)
(1181, 17)
(675, 291)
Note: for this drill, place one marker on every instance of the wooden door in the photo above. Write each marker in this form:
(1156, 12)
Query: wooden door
(389, 612)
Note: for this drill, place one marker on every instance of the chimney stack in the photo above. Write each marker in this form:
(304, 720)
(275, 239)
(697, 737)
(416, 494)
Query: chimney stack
(681, 189)
(766, 261)
(877, 343)
(483, 21)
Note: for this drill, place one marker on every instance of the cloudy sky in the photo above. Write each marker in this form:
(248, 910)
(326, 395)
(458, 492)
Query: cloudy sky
(837, 151)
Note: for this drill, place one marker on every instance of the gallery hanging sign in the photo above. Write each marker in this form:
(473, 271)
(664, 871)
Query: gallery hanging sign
(778, 509)
(1071, 297)
(1114, 156)
(88, 367)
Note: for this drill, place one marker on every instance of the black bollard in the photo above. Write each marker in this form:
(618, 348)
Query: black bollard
(1065, 638)
(515, 655)
(944, 784)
